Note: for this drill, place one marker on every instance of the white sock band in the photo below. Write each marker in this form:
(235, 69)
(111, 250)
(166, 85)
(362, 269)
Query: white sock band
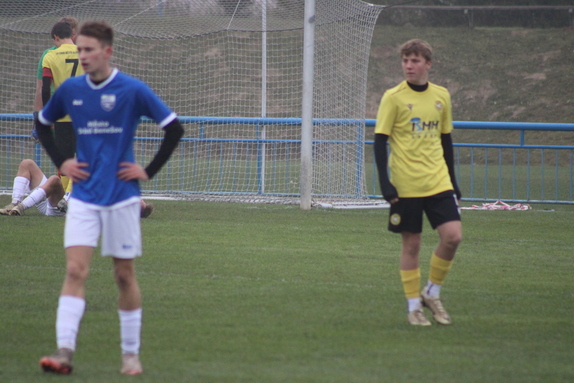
(432, 289)
(68, 317)
(34, 198)
(130, 328)
(414, 304)
(20, 188)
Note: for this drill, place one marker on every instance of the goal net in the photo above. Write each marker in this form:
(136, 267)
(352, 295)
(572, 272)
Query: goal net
(232, 71)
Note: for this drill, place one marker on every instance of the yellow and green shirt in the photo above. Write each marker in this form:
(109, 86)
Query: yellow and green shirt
(60, 64)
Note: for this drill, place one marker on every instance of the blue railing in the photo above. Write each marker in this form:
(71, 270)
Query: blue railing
(513, 172)
(515, 165)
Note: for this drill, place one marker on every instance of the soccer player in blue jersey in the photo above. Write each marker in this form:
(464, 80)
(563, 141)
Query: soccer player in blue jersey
(105, 106)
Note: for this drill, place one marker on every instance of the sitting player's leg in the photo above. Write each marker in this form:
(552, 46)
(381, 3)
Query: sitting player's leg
(22, 184)
(45, 197)
(30, 170)
(146, 209)
(54, 190)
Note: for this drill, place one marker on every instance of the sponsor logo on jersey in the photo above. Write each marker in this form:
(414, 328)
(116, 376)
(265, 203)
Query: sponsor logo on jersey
(418, 125)
(108, 101)
(78, 102)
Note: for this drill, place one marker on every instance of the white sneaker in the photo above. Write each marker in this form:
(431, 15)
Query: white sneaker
(417, 318)
(438, 311)
(131, 364)
(6, 209)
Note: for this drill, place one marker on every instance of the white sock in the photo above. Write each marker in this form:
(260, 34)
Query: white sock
(130, 327)
(20, 188)
(414, 304)
(34, 198)
(432, 289)
(70, 312)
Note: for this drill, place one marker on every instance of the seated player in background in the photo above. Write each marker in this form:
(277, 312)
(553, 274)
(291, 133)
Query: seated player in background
(47, 194)
(32, 188)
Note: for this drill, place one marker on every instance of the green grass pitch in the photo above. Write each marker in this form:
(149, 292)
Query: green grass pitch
(264, 293)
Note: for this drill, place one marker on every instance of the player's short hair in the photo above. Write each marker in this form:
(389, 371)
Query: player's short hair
(418, 48)
(62, 30)
(100, 30)
(70, 20)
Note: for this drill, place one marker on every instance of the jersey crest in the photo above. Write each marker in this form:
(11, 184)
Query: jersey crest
(108, 102)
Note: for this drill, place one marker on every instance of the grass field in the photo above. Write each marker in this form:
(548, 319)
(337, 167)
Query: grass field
(262, 293)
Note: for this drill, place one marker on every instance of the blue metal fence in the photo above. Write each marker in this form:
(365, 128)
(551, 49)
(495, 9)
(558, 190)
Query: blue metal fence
(513, 172)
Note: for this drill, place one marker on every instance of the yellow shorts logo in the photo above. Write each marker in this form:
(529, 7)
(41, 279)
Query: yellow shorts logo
(395, 219)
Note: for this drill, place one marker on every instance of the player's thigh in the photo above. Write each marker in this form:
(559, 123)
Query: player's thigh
(121, 232)
(406, 215)
(82, 226)
(441, 208)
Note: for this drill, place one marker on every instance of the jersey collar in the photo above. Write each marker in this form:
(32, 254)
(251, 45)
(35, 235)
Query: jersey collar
(103, 83)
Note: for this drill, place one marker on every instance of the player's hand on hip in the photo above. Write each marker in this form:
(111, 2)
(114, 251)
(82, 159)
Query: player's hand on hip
(132, 171)
(74, 169)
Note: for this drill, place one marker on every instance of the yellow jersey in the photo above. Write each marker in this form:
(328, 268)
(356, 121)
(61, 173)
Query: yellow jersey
(414, 122)
(60, 64)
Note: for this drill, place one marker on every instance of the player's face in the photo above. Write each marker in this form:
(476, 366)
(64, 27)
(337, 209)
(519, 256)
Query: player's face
(416, 69)
(94, 56)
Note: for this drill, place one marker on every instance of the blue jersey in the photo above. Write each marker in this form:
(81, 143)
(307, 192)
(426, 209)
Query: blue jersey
(105, 118)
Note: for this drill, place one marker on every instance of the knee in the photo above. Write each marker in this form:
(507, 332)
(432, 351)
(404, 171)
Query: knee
(27, 163)
(53, 183)
(411, 244)
(26, 166)
(76, 272)
(124, 278)
(452, 239)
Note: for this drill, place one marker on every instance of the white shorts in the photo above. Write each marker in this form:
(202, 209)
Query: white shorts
(118, 226)
(44, 207)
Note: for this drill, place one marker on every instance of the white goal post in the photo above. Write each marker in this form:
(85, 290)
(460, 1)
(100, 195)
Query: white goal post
(233, 71)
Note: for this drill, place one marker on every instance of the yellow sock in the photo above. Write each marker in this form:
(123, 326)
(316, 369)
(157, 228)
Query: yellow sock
(411, 282)
(438, 269)
(68, 188)
(65, 182)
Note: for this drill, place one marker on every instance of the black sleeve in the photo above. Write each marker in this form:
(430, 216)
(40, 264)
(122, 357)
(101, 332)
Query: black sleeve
(173, 133)
(48, 142)
(448, 151)
(46, 89)
(388, 190)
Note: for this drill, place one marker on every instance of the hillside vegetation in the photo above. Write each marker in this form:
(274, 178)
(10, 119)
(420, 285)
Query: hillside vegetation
(493, 74)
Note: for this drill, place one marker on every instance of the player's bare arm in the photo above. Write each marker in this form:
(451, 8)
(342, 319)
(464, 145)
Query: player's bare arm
(74, 169)
(130, 171)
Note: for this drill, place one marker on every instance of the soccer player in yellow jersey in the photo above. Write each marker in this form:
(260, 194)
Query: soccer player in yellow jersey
(415, 118)
(57, 66)
(38, 95)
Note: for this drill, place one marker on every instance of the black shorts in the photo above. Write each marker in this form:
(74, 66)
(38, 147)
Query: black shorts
(65, 138)
(407, 213)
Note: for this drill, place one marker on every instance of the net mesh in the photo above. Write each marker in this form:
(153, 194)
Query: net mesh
(232, 70)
